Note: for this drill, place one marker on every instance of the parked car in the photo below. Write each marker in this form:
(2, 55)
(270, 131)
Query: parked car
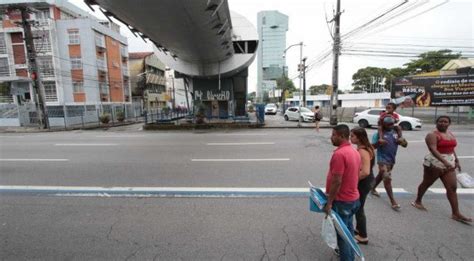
(292, 113)
(370, 118)
(271, 108)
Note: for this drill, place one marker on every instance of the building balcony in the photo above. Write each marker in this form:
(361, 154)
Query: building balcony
(124, 52)
(104, 89)
(101, 65)
(100, 41)
(125, 71)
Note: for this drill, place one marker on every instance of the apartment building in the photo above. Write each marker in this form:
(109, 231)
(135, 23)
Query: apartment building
(82, 60)
(147, 74)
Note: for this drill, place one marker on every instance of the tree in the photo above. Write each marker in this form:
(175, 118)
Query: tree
(286, 86)
(319, 89)
(252, 96)
(427, 62)
(431, 61)
(369, 79)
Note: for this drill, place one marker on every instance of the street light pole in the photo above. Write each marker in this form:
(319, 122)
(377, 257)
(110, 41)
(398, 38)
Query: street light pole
(300, 76)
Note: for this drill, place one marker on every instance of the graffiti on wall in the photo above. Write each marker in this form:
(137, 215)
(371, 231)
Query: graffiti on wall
(212, 95)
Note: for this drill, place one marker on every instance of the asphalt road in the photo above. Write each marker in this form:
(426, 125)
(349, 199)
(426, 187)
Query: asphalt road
(65, 226)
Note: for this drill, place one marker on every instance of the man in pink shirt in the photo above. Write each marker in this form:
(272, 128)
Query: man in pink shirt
(341, 184)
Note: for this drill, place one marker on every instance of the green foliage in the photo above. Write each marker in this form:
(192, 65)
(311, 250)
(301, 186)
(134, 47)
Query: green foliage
(266, 97)
(319, 89)
(200, 112)
(427, 62)
(367, 78)
(252, 96)
(120, 115)
(104, 118)
(250, 108)
(286, 86)
(431, 61)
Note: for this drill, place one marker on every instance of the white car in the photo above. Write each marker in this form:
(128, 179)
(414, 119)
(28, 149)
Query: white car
(271, 108)
(292, 113)
(370, 118)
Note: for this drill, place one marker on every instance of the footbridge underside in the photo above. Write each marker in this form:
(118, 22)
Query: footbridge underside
(201, 39)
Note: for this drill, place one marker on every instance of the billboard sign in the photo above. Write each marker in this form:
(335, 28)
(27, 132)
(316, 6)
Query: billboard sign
(433, 91)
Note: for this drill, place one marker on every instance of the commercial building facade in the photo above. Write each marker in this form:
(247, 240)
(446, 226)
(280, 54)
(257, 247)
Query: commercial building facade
(272, 27)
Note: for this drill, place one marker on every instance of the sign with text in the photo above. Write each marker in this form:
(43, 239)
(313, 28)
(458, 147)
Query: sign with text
(433, 91)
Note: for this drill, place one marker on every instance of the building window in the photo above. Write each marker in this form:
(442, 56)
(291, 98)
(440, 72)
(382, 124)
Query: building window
(50, 91)
(42, 41)
(4, 67)
(78, 87)
(3, 46)
(74, 37)
(99, 40)
(46, 66)
(42, 14)
(76, 63)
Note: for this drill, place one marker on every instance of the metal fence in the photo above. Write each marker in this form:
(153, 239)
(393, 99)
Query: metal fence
(71, 116)
(165, 116)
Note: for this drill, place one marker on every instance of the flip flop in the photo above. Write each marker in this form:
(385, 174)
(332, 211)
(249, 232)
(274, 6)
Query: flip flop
(396, 207)
(375, 193)
(464, 221)
(418, 206)
(361, 241)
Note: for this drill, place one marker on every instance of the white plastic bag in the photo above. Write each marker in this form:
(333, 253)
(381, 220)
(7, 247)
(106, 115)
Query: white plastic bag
(465, 180)
(328, 232)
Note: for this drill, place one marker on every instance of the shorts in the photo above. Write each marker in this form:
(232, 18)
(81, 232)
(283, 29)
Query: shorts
(432, 161)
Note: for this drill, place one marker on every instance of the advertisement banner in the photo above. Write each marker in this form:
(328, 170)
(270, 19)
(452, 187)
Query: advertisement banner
(433, 91)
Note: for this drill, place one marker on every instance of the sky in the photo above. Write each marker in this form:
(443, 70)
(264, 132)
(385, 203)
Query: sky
(413, 29)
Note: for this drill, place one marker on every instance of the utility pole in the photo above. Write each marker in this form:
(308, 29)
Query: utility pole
(333, 103)
(174, 95)
(301, 79)
(304, 82)
(38, 90)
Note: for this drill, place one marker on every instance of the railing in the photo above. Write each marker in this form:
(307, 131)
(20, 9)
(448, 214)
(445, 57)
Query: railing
(125, 70)
(123, 52)
(46, 72)
(104, 89)
(163, 116)
(99, 41)
(101, 65)
(6, 99)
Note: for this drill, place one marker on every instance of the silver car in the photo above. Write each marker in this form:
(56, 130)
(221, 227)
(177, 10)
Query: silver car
(293, 113)
(271, 108)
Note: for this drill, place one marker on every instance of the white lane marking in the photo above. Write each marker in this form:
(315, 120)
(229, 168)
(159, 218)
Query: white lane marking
(11, 136)
(395, 190)
(53, 160)
(466, 157)
(120, 136)
(86, 144)
(201, 192)
(463, 133)
(236, 160)
(240, 143)
(459, 190)
(241, 134)
(152, 189)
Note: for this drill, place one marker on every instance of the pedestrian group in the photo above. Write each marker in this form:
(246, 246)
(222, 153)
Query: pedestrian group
(350, 177)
